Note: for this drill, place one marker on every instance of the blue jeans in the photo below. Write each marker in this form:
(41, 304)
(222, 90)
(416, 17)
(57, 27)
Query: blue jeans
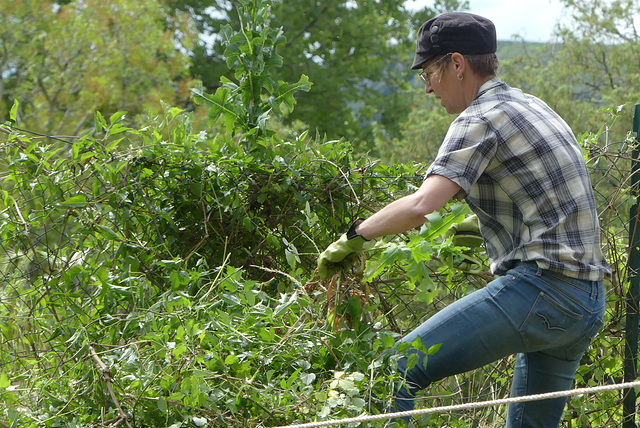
(547, 319)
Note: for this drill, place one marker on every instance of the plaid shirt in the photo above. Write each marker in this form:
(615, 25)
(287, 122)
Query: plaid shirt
(525, 177)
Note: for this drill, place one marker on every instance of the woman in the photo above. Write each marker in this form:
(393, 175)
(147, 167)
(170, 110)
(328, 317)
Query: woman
(521, 171)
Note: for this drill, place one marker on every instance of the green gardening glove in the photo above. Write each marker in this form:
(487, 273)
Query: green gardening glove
(466, 234)
(466, 263)
(333, 259)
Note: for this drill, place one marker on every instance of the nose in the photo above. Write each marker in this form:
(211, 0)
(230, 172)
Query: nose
(428, 88)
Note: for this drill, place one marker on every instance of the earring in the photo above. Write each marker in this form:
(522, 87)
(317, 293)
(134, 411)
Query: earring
(460, 77)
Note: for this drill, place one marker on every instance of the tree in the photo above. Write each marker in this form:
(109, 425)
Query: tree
(594, 63)
(414, 125)
(352, 51)
(64, 61)
(356, 53)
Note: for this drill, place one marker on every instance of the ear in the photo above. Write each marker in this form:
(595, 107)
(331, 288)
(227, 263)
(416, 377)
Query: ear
(459, 63)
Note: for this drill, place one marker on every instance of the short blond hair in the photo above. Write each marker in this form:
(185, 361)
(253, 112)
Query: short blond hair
(484, 65)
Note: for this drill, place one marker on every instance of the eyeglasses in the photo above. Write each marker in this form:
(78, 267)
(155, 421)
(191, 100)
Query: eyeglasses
(426, 74)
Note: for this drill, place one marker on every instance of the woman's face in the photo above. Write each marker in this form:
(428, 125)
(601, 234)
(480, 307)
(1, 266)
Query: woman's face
(444, 83)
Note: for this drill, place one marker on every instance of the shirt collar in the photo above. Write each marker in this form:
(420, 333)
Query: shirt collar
(489, 85)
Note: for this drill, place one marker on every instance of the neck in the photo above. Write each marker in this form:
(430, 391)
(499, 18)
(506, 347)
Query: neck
(471, 84)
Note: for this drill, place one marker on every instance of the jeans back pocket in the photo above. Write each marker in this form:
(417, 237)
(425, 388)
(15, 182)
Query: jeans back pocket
(548, 324)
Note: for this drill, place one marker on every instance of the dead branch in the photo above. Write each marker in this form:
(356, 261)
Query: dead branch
(106, 375)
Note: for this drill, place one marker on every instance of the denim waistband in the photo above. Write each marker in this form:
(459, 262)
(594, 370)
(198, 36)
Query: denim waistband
(589, 286)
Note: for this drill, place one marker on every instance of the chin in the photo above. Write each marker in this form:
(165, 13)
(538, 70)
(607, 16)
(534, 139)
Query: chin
(452, 110)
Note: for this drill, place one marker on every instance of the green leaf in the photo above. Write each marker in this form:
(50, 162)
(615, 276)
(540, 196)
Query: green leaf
(291, 258)
(99, 122)
(412, 361)
(117, 129)
(247, 224)
(435, 348)
(231, 359)
(289, 382)
(179, 279)
(218, 104)
(285, 302)
(13, 114)
(109, 233)
(7, 198)
(427, 290)
(387, 340)
(117, 116)
(162, 405)
(389, 256)
(438, 225)
(285, 93)
(357, 376)
(417, 344)
(199, 422)
(422, 251)
(347, 384)
(4, 381)
(307, 378)
(358, 403)
(77, 201)
(112, 145)
(325, 412)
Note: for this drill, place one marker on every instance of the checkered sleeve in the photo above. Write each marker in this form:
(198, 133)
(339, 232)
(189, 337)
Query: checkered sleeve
(466, 151)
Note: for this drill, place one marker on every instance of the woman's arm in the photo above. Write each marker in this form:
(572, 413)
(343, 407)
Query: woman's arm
(409, 212)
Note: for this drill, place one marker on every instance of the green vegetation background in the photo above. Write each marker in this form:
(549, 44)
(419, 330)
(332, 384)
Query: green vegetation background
(158, 247)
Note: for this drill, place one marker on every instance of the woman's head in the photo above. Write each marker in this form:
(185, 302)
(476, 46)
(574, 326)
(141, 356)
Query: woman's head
(470, 35)
(456, 52)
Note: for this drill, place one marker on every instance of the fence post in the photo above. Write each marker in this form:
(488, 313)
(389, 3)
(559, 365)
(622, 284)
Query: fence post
(633, 294)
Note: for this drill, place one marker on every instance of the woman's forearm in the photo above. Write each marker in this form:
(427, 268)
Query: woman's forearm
(409, 212)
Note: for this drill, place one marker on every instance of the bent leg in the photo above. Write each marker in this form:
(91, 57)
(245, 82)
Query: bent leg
(538, 373)
(472, 332)
(547, 319)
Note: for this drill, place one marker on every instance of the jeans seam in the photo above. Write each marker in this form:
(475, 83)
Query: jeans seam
(569, 284)
(569, 296)
(520, 412)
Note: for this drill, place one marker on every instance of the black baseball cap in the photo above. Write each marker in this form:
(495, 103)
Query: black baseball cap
(461, 32)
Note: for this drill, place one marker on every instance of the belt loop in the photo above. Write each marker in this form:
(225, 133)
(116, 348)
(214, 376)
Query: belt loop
(539, 272)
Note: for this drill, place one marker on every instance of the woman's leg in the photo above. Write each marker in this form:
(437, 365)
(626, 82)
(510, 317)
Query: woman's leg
(537, 373)
(553, 369)
(473, 331)
(525, 311)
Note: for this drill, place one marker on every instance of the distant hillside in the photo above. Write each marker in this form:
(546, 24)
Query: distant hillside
(509, 49)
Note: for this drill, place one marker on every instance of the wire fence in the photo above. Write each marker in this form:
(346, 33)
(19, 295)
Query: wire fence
(47, 240)
(607, 360)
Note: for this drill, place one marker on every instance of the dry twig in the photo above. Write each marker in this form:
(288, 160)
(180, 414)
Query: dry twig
(106, 375)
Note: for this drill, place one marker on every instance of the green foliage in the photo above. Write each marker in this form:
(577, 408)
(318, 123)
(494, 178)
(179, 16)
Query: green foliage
(252, 54)
(164, 276)
(420, 132)
(593, 65)
(349, 49)
(122, 301)
(111, 282)
(413, 261)
(63, 61)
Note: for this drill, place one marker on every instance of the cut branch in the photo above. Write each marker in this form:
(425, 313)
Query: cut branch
(106, 375)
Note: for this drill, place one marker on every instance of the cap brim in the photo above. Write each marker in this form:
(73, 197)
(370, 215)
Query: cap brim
(418, 60)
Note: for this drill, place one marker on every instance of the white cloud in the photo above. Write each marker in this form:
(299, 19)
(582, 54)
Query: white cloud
(532, 20)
